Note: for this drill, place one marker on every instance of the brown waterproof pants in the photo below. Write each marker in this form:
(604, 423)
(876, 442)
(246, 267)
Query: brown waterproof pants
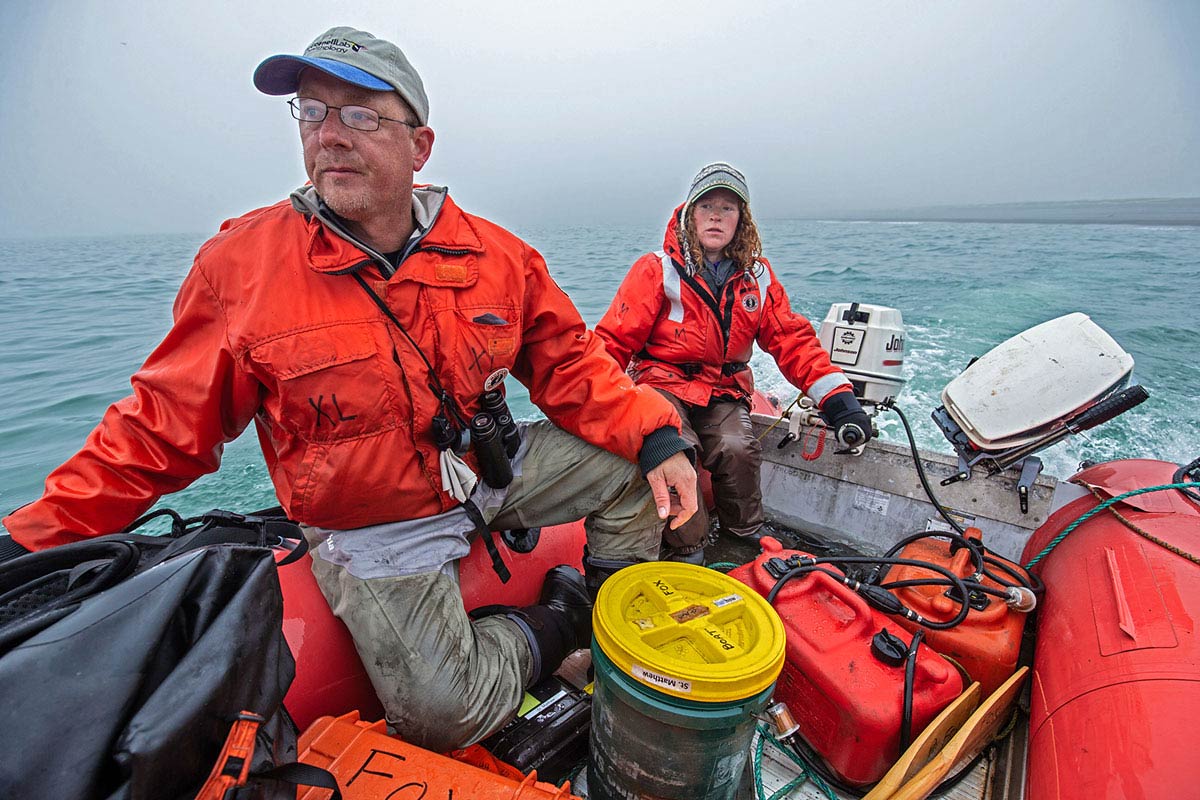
(726, 447)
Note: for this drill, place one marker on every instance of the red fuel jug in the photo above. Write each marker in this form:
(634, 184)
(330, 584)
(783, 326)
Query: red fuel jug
(847, 699)
(987, 642)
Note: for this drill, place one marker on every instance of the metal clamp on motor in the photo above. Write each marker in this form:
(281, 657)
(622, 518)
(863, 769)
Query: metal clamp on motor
(851, 436)
(804, 416)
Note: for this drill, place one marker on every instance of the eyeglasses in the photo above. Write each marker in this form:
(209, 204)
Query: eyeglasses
(360, 118)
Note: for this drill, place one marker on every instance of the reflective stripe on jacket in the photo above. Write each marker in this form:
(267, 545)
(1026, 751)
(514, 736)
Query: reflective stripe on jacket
(670, 332)
(269, 329)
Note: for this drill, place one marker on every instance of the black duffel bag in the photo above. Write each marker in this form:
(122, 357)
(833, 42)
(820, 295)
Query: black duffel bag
(126, 660)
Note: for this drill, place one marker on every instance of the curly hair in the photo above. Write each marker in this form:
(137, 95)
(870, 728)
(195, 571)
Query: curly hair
(745, 247)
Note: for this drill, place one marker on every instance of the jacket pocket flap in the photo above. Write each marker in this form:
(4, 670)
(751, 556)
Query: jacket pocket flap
(308, 351)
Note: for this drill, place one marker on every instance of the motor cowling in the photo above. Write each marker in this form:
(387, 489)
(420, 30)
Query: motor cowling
(867, 343)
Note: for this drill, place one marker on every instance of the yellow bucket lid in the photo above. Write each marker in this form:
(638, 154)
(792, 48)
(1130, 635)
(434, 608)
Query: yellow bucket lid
(689, 631)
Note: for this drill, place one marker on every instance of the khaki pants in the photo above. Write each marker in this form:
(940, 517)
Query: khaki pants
(446, 681)
(725, 445)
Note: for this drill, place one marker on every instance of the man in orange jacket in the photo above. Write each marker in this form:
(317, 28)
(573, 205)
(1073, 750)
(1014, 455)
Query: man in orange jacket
(357, 325)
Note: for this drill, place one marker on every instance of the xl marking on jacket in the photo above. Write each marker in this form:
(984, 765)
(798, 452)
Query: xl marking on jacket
(318, 406)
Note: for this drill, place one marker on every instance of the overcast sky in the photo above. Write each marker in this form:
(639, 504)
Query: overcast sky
(123, 117)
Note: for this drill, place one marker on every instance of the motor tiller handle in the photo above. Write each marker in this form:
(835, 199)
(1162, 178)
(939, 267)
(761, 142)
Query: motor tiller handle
(1109, 407)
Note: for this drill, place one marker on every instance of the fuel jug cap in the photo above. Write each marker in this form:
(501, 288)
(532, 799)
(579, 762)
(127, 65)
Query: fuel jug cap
(889, 648)
(689, 631)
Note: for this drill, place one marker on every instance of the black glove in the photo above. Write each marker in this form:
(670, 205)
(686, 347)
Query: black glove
(845, 416)
(10, 549)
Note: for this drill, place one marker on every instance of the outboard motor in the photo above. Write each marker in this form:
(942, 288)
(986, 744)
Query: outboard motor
(1056, 379)
(867, 343)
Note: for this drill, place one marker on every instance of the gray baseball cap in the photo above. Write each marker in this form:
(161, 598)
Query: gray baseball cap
(718, 175)
(353, 56)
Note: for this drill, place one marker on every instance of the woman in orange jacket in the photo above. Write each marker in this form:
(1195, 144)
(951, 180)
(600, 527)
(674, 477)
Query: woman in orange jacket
(685, 321)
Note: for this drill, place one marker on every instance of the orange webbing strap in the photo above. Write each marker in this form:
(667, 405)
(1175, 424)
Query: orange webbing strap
(233, 764)
(232, 770)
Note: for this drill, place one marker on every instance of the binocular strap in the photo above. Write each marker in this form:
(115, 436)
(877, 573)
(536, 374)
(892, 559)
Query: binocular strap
(489, 541)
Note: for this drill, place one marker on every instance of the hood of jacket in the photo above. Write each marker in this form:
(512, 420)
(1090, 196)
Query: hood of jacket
(675, 242)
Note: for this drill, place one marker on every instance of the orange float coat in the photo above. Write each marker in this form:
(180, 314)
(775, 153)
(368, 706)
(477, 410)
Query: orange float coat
(269, 328)
(670, 332)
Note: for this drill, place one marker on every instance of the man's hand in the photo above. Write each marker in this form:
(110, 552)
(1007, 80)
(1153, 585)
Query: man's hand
(674, 473)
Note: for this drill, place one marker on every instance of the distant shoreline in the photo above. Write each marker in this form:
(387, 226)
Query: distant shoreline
(1184, 211)
(1154, 223)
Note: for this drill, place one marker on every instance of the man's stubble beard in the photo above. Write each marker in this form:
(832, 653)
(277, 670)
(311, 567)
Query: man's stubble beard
(347, 203)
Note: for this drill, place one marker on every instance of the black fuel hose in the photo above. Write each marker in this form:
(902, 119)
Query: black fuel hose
(973, 586)
(912, 443)
(1023, 578)
(980, 555)
(878, 596)
(973, 546)
(1015, 574)
(910, 669)
(797, 572)
(981, 559)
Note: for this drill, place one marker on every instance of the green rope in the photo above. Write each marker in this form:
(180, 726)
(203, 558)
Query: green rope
(1054, 542)
(723, 566)
(806, 773)
(572, 777)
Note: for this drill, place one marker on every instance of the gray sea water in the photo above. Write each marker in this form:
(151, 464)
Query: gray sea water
(79, 315)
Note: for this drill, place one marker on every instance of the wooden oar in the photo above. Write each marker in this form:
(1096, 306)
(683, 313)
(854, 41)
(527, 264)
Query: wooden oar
(971, 738)
(925, 746)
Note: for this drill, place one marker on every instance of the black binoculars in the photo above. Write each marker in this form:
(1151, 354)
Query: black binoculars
(493, 403)
(495, 439)
(494, 467)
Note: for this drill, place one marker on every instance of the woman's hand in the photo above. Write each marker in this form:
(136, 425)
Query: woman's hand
(843, 413)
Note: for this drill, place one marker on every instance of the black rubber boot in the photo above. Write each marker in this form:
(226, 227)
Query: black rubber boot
(565, 591)
(557, 626)
(694, 557)
(597, 570)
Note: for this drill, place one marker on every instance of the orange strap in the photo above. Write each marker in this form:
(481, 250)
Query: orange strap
(233, 764)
